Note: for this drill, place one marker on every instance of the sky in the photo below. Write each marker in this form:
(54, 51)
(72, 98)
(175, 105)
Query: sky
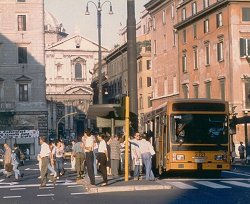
(71, 13)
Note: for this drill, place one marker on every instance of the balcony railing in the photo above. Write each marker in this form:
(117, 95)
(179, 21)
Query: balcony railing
(6, 106)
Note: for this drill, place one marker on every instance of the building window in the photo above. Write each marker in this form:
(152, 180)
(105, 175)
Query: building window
(247, 95)
(184, 36)
(164, 17)
(22, 55)
(196, 91)
(207, 54)
(220, 51)
(172, 11)
(154, 47)
(174, 38)
(21, 0)
(141, 102)
(155, 89)
(206, 26)
(244, 47)
(195, 52)
(78, 71)
(205, 3)
(184, 62)
(219, 22)
(149, 82)
(140, 66)
(23, 92)
(148, 64)
(154, 23)
(149, 102)
(245, 14)
(208, 89)
(222, 89)
(140, 83)
(194, 8)
(58, 70)
(183, 16)
(194, 31)
(185, 90)
(21, 22)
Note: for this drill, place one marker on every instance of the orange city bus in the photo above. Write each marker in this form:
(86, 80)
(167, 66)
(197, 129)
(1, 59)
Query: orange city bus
(190, 135)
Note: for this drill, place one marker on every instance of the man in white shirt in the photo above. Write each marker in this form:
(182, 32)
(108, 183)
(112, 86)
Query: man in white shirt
(102, 158)
(45, 156)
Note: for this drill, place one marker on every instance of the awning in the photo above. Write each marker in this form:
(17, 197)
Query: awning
(101, 110)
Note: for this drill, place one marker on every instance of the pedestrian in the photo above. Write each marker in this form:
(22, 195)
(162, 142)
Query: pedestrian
(241, 150)
(45, 156)
(7, 161)
(72, 158)
(16, 160)
(102, 158)
(28, 154)
(136, 156)
(78, 153)
(89, 147)
(95, 151)
(59, 159)
(147, 151)
(115, 152)
(15, 163)
(107, 140)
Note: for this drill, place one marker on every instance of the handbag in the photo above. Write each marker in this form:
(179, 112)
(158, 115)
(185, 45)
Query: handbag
(8, 167)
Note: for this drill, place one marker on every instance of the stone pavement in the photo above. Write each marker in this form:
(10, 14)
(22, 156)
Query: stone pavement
(119, 185)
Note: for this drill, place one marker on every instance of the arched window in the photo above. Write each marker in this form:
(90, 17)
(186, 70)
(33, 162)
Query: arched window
(78, 71)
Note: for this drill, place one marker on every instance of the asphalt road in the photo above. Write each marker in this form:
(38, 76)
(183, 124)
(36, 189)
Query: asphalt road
(232, 187)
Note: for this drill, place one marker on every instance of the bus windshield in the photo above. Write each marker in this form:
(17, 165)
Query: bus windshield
(199, 128)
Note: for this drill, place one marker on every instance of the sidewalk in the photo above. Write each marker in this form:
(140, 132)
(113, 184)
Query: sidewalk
(119, 185)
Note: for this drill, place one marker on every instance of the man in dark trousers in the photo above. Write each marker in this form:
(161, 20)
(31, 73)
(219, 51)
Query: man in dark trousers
(88, 147)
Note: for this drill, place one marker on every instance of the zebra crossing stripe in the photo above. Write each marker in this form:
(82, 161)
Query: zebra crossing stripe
(181, 185)
(1, 180)
(237, 183)
(211, 184)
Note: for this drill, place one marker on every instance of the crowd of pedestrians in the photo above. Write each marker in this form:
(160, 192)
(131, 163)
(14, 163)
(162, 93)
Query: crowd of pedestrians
(92, 155)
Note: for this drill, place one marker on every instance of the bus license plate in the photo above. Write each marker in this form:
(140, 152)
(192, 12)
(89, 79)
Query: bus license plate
(199, 160)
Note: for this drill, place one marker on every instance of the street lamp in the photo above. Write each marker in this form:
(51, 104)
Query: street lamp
(60, 121)
(99, 11)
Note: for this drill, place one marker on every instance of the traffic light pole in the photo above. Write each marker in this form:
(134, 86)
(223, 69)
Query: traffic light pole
(126, 138)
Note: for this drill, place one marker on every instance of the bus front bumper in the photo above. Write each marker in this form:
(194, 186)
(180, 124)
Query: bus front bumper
(199, 166)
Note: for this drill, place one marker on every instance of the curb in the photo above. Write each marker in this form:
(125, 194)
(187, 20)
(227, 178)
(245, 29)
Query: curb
(128, 188)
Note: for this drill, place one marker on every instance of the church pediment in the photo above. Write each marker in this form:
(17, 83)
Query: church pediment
(76, 42)
(79, 90)
(23, 78)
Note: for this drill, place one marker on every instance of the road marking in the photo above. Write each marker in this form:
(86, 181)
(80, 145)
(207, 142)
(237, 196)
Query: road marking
(2, 180)
(9, 183)
(181, 185)
(17, 189)
(83, 193)
(29, 169)
(12, 196)
(75, 186)
(45, 195)
(211, 184)
(237, 183)
(241, 174)
(206, 179)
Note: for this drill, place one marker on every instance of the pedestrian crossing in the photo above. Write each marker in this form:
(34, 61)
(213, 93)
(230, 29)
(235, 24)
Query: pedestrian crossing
(213, 184)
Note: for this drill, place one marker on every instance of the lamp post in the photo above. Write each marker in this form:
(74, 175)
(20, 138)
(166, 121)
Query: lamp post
(60, 121)
(98, 7)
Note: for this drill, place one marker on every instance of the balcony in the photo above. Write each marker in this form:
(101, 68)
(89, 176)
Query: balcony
(6, 107)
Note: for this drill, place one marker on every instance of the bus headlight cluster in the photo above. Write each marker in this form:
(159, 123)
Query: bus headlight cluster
(220, 157)
(178, 157)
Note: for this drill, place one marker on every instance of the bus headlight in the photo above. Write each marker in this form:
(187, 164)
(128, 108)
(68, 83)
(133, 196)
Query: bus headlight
(220, 157)
(180, 157)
